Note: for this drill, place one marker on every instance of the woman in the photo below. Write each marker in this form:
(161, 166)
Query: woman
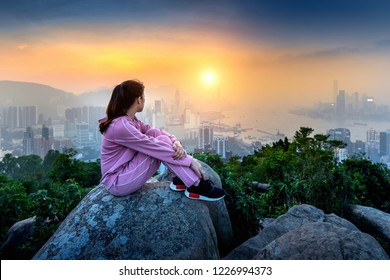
(132, 151)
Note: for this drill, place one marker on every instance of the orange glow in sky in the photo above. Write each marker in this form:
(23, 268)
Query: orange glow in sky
(250, 62)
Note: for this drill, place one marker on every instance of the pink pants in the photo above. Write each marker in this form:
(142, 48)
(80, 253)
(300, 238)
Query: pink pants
(142, 167)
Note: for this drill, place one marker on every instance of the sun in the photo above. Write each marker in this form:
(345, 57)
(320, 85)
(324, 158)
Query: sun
(209, 77)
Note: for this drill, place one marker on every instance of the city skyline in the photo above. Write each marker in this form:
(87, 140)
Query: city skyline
(252, 54)
(25, 130)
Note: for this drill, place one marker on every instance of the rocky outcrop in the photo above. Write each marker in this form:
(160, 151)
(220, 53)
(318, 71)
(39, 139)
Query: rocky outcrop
(371, 221)
(17, 235)
(218, 211)
(153, 223)
(305, 233)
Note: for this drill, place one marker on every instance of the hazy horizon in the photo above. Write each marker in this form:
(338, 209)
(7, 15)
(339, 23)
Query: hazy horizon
(272, 54)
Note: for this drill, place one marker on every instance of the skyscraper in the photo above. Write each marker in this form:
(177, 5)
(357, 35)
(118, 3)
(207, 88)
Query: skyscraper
(335, 90)
(384, 143)
(82, 138)
(28, 142)
(340, 103)
(45, 144)
(206, 135)
(220, 145)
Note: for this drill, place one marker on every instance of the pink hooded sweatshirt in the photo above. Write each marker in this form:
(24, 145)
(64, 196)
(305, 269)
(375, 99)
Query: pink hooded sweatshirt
(124, 138)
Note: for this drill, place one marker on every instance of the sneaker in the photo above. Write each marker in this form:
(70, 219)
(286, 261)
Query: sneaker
(177, 185)
(205, 191)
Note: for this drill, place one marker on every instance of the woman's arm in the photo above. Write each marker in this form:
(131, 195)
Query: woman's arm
(179, 153)
(127, 135)
(145, 127)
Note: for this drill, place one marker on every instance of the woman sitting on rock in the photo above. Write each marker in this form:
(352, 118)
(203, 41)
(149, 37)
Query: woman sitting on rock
(132, 151)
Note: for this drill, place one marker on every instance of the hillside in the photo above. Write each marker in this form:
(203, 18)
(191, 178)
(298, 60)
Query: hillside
(45, 97)
(52, 101)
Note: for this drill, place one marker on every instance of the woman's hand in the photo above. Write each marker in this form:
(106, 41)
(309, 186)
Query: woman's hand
(197, 168)
(179, 150)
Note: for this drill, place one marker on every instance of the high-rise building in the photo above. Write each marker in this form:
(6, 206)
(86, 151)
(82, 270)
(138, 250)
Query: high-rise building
(27, 116)
(220, 144)
(368, 104)
(206, 135)
(45, 142)
(191, 120)
(20, 117)
(158, 120)
(342, 134)
(372, 135)
(384, 143)
(83, 138)
(355, 101)
(58, 129)
(340, 103)
(28, 142)
(335, 90)
(84, 114)
(11, 119)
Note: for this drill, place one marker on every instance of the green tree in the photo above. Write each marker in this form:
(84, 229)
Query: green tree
(29, 168)
(14, 203)
(8, 165)
(64, 166)
(241, 198)
(365, 183)
(49, 159)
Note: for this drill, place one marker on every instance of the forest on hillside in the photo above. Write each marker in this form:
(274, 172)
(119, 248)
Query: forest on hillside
(303, 169)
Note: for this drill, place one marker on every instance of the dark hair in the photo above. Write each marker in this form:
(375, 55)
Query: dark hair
(122, 97)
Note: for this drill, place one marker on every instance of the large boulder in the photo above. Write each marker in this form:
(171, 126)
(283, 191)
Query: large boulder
(153, 223)
(323, 241)
(305, 232)
(218, 211)
(19, 233)
(371, 221)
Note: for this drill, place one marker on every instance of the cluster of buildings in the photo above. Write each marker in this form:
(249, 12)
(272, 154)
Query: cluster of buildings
(376, 148)
(25, 131)
(345, 105)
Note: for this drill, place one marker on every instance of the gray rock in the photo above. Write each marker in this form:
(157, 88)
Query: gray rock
(305, 232)
(17, 235)
(294, 218)
(153, 223)
(371, 221)
(323, 241)
(336, 220)
(218, 212)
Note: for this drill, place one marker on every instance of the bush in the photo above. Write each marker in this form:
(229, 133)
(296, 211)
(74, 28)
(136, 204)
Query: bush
(15, 205)
(27, 191)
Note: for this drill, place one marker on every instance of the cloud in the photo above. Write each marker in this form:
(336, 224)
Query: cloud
(279, 21)
(321, 54)
(385, 43)
(22, 47)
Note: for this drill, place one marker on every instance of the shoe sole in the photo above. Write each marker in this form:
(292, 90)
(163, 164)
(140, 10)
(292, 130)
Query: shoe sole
(196, 196)
(177, 188)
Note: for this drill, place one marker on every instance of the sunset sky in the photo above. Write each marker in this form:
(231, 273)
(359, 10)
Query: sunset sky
(265, 51)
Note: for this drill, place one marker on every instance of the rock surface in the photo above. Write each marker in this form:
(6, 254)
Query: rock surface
(371, 221)
(16, 235)
(306, 233)
(153, 223)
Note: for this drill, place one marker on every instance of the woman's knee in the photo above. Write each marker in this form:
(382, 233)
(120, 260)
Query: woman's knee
(153, 132)
(156, 133)
(165, 139)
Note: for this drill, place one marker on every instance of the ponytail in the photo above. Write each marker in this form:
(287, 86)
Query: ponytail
(122, 97)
